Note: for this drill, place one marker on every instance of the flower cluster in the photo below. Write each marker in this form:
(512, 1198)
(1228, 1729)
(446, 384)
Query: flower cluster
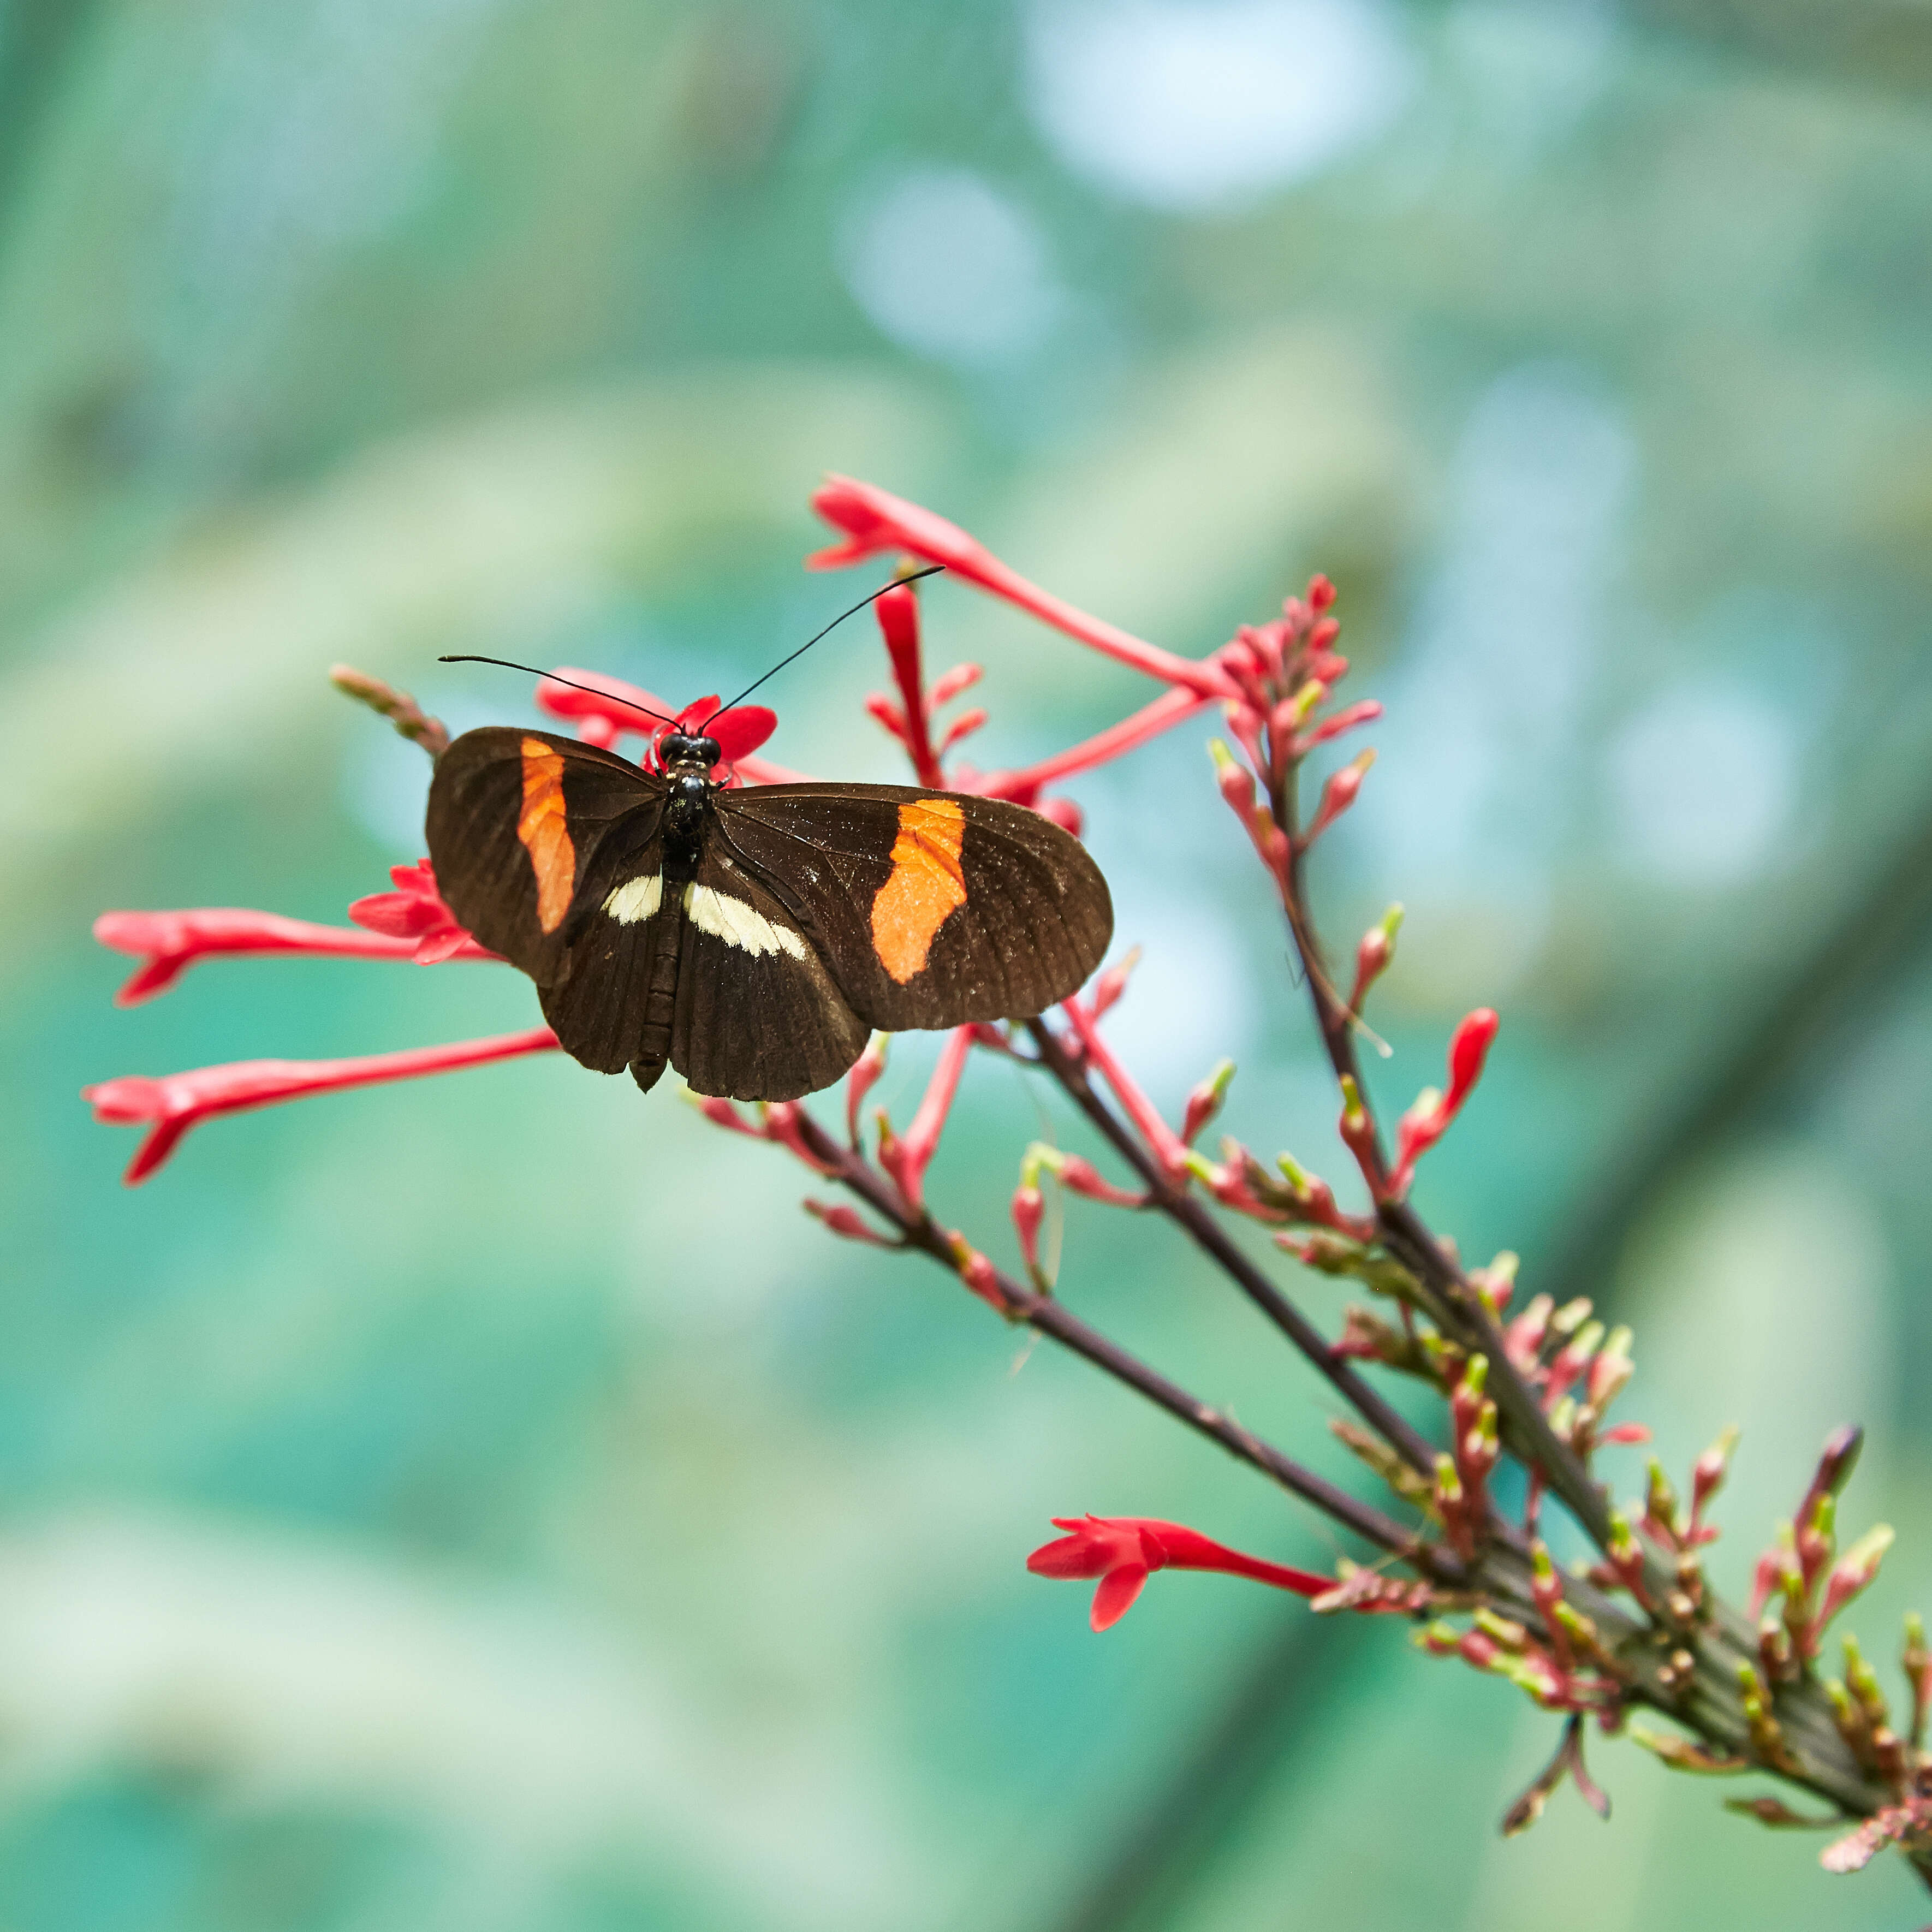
(1638, 1625)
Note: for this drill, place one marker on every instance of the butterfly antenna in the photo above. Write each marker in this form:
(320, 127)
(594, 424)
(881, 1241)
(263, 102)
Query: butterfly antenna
(630, 704)
(931, 570)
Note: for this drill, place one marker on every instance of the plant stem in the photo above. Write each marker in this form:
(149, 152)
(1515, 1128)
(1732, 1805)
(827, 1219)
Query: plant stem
(1048, 1317)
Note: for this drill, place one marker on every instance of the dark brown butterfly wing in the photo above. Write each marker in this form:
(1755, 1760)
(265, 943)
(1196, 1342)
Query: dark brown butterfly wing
(930, 908)
(544, 849)
(759, 1017)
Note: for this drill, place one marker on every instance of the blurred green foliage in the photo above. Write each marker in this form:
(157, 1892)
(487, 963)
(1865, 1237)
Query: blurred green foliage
(488, 1503)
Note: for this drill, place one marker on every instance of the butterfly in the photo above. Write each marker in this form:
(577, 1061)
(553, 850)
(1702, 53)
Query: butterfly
(752, 937)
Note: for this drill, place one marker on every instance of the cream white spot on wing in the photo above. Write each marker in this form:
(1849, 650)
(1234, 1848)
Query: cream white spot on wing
(738, 924)
(636, 899)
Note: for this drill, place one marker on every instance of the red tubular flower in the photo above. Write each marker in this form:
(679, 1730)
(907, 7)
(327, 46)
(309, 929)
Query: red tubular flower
(169, 943)
(898, 612)
(1163, 1143)
(907, 1160)
(410, 923)
(179, 1101)
(613, 708)
(874, 519)
(1428, 1120)
(606, 712)
(1124, 1551)
(1023, 786)
(414, 911)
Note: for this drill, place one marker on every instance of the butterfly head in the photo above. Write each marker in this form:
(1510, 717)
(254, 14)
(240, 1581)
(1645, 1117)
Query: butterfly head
(678, 749)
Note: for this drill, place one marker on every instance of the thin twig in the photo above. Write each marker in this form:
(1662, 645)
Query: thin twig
(1208, 1234)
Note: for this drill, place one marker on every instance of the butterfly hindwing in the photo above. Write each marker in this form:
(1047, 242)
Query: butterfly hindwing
(931, 908)
(759, 1018)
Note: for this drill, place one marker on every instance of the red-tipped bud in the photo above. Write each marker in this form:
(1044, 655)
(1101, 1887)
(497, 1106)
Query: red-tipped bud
(844, 1222)
(1358, 1131)
(723, 1114)
(1350, 718)
(784, 1126)
(1236, 782)
(1854, 1571)
(1110, 985)
(885, 713)
(1429, 1119)
(1468, 1050)
(1204, 1102)
(1776, 1571)
(981, 1277)
(1373, 955)
(1623, 1434)
(860, 1082)
(950, 684)
(1029, 1210)
(1338, 794)
(1320, 593)
(963, 726)
(1082, 1178)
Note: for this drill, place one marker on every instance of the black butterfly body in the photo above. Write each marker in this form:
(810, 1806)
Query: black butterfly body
(752, 938)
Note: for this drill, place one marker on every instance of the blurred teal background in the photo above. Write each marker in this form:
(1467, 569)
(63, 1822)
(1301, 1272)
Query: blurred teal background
(488, 1504)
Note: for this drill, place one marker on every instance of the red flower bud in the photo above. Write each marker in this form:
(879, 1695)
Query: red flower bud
(884, 712)
(1338, 794)
(1426, 1123)
(1204, 1102)
(1110, 984)
(860, 1082)
(1029, 1210)
(845, 1223)
(950, 684)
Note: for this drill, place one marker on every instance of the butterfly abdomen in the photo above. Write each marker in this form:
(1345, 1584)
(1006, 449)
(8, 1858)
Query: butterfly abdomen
(661, 994)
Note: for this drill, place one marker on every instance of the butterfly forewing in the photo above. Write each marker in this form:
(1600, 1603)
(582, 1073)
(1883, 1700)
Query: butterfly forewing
(931, 908)
(523, 826)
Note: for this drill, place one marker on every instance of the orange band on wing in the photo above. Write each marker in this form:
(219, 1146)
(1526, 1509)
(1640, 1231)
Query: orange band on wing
(926, 885)
(545, 832)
